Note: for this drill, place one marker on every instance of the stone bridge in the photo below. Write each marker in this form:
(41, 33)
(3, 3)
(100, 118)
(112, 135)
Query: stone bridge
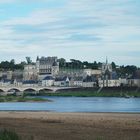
(34, 88)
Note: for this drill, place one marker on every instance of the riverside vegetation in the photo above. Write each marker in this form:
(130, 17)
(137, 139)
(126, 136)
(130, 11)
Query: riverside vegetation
(96, 92)
(89, 93)
(12, 98)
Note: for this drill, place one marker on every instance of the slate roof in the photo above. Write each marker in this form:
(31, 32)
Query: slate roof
(114, 75)
(90, 79)
(62, 78)
(78, 78)
(30, 82)
(48, 78)
(6, 81)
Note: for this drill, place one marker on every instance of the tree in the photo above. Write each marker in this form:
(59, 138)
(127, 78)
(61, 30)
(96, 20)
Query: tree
(5, 65)
(76, 63)
(85, 63)
(113, 65)
(95, 65)
(62, 62)
(12, 61)
(126, 71)
(28, 59)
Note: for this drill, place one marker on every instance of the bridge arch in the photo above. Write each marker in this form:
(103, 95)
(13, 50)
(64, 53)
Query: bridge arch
(13, 89)
(1, 90)
(29, 90)
(44, 90)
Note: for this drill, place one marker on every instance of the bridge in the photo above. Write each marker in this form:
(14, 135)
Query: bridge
(35, 88)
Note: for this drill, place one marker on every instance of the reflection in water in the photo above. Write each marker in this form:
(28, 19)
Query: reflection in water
(78, 104)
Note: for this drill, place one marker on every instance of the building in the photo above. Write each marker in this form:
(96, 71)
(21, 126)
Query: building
(17, 74)
(90, 72)
(111, 83)
(30, 72)
(78, 81)
(9, 75)
(17, 83)
(62, 81)
(47, 66)
(5, 82)
(48, 81)
(90, 81)
(106, 73)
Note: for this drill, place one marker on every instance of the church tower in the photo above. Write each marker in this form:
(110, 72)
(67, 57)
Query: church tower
(106, 72)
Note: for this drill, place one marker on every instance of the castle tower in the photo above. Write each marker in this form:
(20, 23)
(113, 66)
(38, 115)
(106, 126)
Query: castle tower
(37, 64)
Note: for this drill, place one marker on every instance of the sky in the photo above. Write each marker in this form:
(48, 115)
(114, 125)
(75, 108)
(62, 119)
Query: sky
(87, 30)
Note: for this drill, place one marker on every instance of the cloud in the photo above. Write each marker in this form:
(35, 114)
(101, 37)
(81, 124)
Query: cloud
(6, 1)
(96, 28)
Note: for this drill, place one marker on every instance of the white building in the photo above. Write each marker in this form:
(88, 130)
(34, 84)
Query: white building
(17, 83)
(90, 72)
(78, 81)
(111, 83)
(133, 82)
(123, 82)
(48, 81)
(62, 81)
(89, 84)
(90, 81)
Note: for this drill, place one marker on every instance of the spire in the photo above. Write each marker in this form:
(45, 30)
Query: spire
(106, 60)
(37, 58)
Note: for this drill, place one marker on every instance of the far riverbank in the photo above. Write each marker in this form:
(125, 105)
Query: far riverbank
(95, 92)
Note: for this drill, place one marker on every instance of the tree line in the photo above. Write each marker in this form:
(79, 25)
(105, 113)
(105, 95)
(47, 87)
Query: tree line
(122, 71)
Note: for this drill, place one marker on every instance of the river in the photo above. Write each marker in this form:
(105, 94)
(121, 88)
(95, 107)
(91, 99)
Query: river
(77, 104)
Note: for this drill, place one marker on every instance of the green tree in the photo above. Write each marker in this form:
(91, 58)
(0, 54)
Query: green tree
(113, 65)
(28, 59)
(94, 65)
(62, 62)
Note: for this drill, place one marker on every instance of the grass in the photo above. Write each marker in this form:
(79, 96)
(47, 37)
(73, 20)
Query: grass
(92, 94)
(81, 93)
(8, 135)
(11, 135)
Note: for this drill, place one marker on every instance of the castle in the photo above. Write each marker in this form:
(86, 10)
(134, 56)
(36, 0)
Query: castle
(44, 66)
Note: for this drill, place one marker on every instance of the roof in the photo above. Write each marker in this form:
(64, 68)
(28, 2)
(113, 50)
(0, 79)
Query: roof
(55, 63)
(90, 79)
(114, 75)
(48, 78)
(59, 79)
(6, 81)
(136, 75)
(30, 82)
(65, 78)
(78, 78)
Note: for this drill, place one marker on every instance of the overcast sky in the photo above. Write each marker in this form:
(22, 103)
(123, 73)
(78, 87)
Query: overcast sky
(80, 29)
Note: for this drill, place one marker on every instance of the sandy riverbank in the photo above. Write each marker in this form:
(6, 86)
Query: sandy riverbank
(72, 126)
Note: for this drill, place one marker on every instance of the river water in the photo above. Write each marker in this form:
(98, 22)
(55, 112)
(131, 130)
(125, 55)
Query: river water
(77, 104)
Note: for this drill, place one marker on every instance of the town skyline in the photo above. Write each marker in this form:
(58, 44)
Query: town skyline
(33, 60)
(83, 30)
